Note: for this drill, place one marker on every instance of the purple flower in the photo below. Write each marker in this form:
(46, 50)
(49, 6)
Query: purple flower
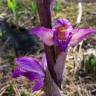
(31, 68)
(62, 34)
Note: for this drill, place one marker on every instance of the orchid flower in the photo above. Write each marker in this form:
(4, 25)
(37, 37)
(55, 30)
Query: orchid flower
(32, 68)
(62, 35)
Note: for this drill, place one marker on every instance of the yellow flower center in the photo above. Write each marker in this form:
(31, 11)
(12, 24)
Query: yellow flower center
(60, 32)
(61, 29)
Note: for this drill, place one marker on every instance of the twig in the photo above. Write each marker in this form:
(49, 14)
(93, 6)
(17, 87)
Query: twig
(3, 89)
(80, 11)
(79, 16)
(3, 66)
(78, 21)
(16, 90)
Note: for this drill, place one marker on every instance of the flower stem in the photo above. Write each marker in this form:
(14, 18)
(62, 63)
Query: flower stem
(45, 20)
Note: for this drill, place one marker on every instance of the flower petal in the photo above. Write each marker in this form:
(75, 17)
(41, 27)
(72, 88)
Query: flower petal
(36, 78)
(44, 34)
(64, 44)
(59, 67)
(64, 23)
(62, 39)
(81, 34)
(38, 85)
(29, 64)
(62, 33)
(32, 75)
(16, 73)
(32, 69)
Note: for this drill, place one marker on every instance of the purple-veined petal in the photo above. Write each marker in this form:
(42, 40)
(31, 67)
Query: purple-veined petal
(64, 44)
(29, 75)
(16, 73)
(81, 34)
(38, 85)
(62, 33)
(44, 34)
(63, 24)
(32, 75)
(29, 64)
(62, 39)
(59, 66)
(36, 78)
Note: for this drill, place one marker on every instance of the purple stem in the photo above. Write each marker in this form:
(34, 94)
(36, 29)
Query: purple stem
(45, 20)
(51, 88)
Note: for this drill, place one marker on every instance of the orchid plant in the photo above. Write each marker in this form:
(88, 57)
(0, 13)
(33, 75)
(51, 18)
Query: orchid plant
(57, 40)
(62, 35)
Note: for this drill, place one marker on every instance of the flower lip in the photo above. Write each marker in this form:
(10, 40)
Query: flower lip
(62, 30)
(61, 33)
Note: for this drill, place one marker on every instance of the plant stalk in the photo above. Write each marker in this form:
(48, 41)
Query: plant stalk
(45, 20)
